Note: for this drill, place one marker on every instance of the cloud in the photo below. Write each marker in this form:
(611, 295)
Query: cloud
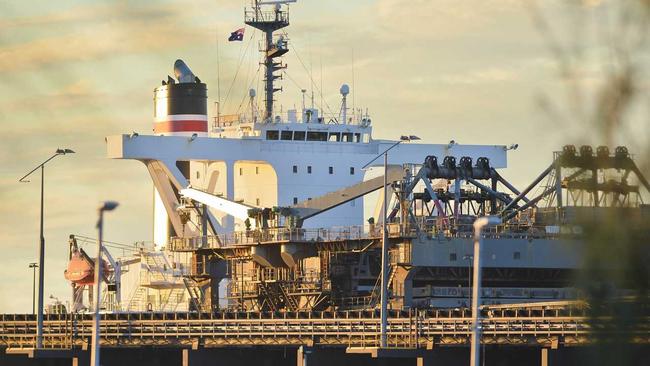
(95, 43)
(441, 18)
(92, 32)
(490, 75)
(88, 13)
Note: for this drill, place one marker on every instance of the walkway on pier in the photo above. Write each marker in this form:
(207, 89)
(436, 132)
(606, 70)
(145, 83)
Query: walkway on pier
(414, 329)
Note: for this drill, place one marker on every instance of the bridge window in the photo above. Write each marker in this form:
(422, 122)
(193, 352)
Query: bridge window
(331, 170)
(452, 257)
(241, 171)
(257, 170)
(295, 200)
(316, 136)
(346, 136)
(272, 135)
(335, 137)
(351, 170)
(299, 136)
(295, 169)
(286, 135)
(516, 255)
(309, 169)
(357, 137)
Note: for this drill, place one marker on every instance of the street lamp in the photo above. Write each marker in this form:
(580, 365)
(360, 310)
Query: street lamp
(94, 354)
(41, 248)
(479, 224)
(384, 243)
(469, 258)
(33, 266)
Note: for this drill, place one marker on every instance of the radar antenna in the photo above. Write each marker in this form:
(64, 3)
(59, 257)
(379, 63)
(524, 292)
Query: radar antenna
(269, 21)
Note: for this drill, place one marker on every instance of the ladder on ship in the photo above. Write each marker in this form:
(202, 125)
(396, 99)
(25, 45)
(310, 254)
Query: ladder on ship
(137, 299)
(268, 295)
(375, 295)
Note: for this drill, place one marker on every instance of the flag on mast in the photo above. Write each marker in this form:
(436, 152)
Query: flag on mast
(237, 35)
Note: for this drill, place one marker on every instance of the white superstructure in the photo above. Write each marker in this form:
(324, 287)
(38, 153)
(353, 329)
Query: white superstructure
(263, 171)
(263, 158)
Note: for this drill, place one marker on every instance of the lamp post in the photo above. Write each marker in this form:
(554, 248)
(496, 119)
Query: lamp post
(469, 258)
(41, 248)
(94, 354)
(384, 243)
(479, 224)
(33, 266)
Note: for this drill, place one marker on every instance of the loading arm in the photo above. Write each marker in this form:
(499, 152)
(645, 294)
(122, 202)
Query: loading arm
(328, 201)
(236, 209)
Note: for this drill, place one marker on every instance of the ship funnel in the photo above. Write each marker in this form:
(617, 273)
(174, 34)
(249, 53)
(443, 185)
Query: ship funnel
(180, 109)
(183, 73)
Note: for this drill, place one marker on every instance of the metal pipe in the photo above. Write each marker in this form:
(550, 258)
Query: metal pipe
(384, 260)
(558, 185)
(529, 204)
(479, 224)
(41, 269)
(531, 186)
(383, 153)
(41, 246)
(469, 258)
(33, 266)
(640, 176)
(94, 354)
(384, 243)
(488, 190)
(534, 201)
(508, 185)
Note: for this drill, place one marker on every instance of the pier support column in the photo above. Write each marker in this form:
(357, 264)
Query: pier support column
(550, 357)
(303, 355)
(193, 357)
(425, 360)
(81, 359)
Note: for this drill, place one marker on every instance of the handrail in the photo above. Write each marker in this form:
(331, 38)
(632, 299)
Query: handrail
(291, 328)
(428, 226)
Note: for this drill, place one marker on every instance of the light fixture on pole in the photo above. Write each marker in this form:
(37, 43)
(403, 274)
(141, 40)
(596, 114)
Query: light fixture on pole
(33, 266)
(94, 354)
(479, 224)
(384, 244)
(41, 247)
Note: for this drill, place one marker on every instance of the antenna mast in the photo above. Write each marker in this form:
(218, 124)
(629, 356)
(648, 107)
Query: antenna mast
(269, 21)
(218, 82)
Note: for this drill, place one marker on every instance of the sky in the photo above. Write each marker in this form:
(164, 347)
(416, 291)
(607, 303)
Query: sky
(475, 71)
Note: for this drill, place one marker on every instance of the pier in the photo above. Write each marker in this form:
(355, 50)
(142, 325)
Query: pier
(411, 334)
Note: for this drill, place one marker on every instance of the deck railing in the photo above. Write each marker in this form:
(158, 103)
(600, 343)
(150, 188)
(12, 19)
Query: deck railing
(353, 328)
(430, 228)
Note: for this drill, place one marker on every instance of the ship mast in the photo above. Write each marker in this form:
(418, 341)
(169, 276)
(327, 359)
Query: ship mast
(269, 21)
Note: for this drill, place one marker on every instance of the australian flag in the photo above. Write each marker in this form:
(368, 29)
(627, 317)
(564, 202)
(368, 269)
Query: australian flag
(237, 35)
